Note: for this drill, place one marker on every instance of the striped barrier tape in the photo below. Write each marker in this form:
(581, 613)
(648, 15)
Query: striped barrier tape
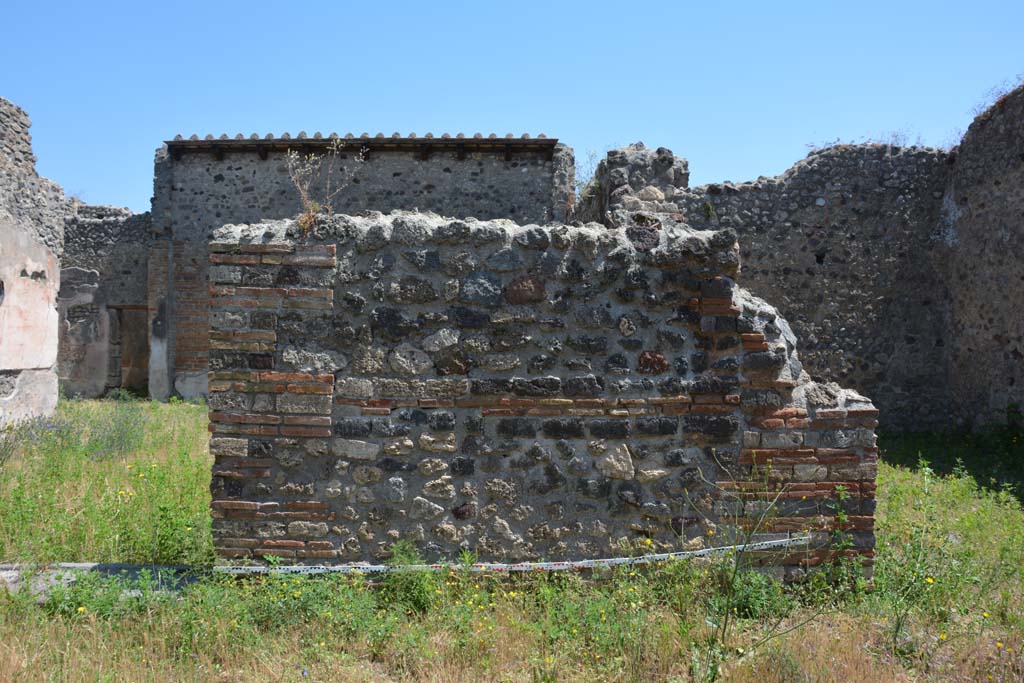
(513, 567)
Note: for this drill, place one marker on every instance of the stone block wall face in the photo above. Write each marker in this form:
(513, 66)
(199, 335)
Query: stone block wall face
(983, 224)
(198, 192)
(103, 294)
(523, 392)
(847, 245)
(31, 239)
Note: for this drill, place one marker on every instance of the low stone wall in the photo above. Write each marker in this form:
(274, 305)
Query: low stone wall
(519, 391)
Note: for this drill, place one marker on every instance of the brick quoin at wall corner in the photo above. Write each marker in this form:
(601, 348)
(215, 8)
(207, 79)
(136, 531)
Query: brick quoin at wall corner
(523, 392)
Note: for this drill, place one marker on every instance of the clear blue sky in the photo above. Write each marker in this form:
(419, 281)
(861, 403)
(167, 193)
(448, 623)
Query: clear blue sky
(739, 88)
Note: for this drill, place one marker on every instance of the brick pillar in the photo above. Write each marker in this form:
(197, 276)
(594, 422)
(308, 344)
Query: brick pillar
(191, 312)
(261, 418)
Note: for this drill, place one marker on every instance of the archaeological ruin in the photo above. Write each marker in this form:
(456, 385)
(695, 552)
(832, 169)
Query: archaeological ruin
(521, 391)
(200, 185)
(32, 214)
(437, 339)
(893, 264)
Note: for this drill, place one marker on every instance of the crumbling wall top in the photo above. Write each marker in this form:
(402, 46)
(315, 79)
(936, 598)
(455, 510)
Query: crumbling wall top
(36, 203)
(519, 391)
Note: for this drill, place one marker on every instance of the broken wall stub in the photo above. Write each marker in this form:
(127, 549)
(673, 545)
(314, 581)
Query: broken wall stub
(31, 239)
(845, 243)
(520, 391)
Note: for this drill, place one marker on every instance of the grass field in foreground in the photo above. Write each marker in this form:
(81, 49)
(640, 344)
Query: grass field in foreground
(128, 481)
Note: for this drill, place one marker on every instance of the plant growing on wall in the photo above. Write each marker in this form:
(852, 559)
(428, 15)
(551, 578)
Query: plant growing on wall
(319, 179)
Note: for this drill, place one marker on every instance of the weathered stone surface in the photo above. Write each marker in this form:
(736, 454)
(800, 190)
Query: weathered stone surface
(441, 339)
(652, 363)
(406, 359)
(439, 488)
(436, 443)
(431, 467)
(424, 509)
(900, 348)
(614, 461)
(355, 450)
(525, 290)
(31, 242)
(364, 475)
(412, 290)
(399, 446)
(504, 261)
(565, 416)
(481, 288)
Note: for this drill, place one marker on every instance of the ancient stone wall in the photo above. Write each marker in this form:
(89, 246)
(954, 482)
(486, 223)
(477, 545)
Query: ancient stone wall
(983, 224)
(203, 184)
(31, 238)
(103, 302)
(519, 391)
(845, 243)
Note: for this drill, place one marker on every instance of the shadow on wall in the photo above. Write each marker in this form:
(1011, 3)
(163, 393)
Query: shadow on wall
(993, 455)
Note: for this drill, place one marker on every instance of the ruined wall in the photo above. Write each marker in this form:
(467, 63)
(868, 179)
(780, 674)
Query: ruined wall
(845, 243)
(983, 223)
(31, 237)
(201, 185)
(103, 301)
(518, 391)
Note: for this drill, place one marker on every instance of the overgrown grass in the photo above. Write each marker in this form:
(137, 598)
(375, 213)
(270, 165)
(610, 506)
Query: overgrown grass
(111, 481)
(946, 604)
(993, 457)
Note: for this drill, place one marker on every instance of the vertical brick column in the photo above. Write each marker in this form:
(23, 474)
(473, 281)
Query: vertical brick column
(263, 420)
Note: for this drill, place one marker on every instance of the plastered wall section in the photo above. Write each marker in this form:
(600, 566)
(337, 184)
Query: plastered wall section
(28, 325)
(31, 239)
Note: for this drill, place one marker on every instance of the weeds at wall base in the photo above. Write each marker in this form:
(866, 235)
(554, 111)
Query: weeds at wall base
(946, 602)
